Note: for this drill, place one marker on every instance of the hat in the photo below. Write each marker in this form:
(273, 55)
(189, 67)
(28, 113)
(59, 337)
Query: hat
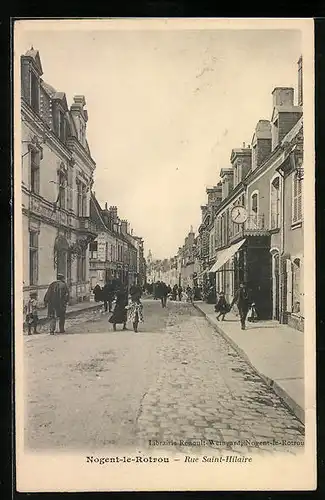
(60, 275)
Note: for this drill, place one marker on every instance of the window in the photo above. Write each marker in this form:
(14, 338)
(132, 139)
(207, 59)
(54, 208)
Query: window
(62, 189)
(296, 277)
(254, 204)
(34, 171)
(93, 249)
(296, 198)
(275, 203)
(33, 258)
(81, 266)
(34, 92)
(81, 199)
(106, 251)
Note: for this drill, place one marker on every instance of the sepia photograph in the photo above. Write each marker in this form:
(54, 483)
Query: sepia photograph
(164, 278)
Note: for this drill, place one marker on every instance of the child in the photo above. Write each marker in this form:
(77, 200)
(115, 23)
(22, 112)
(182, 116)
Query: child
(31, 313)
(221, 306)
(252, 315)
(135, 313)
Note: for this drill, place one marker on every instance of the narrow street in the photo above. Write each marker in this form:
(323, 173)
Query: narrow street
(177, 379)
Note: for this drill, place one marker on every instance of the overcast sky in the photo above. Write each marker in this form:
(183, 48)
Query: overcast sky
(165, 109)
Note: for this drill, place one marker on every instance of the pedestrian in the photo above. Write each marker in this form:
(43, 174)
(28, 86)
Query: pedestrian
(175, 292)
(163, 292)
(108, 296)
(135, 292)
(189, 294)
(242, 301)
(135, 312)
(252, 315)
(180, 293)
(97, 291)
(221, 307)
(56, 300)
(31, 313)
(119, 315)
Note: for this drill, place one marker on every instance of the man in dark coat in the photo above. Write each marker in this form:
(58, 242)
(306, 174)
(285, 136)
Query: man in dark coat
(163, 292)
(108, 296)
(242, 300)
(56, 300)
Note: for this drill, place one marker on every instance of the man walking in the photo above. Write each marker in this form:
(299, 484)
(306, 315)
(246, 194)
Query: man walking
(242, 301)
(56, 299)
(163, 292)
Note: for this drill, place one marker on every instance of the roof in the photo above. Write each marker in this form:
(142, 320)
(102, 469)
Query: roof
(293, 132)
(34, 54)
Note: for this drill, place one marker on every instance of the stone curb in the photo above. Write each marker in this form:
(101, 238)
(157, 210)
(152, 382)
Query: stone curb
(70, 314)
(293, 406)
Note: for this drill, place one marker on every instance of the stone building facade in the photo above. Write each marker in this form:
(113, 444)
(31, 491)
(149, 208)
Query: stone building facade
(266, 251)
(57, 175)
(116, 254)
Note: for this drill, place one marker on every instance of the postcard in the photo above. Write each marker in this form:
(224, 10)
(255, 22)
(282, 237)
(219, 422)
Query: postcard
(164, 277)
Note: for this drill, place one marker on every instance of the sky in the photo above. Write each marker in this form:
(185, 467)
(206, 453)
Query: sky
(165, 110)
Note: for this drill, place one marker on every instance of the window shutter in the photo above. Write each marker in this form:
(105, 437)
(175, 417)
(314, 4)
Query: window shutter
(289, 285)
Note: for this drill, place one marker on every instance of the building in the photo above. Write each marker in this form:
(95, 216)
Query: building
(116, 254)
(57, 175)
(266, 250)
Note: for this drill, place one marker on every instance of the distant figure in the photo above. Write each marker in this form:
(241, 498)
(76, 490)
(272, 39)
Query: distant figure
(174, 292)
(31, 313)
(189, 294)
(180, 292)
(135, 312)
(97, 291)
(108, 296)
(162, 293)
(119, 315)
(221, 307)
(242, 301)
(56, 300)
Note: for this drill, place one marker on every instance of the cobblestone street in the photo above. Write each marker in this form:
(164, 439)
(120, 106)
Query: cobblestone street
(176, 380)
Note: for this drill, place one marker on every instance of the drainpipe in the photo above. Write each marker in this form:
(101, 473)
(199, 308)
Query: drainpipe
(281, 281)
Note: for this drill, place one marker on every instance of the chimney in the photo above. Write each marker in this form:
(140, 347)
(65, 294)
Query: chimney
(241, 160)
(214, 195)
(261, 143)
(105, 206)
(227, 181)
(300, 82)
(282, 96)
(124, 226)
(113, 213)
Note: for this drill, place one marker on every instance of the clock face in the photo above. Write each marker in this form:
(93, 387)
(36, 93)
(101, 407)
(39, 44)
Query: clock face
(239, 214)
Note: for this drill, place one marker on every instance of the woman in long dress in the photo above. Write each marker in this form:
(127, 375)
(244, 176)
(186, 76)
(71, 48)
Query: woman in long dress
(135, 313)
(119, 315)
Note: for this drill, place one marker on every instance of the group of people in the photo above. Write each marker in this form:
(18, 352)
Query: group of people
(244, 304)
(56, 300)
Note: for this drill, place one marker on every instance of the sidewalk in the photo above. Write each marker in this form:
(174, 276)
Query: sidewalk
(274, 351)
(71, 310)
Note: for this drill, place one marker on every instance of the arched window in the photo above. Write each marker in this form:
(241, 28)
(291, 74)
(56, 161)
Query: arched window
(275, 203)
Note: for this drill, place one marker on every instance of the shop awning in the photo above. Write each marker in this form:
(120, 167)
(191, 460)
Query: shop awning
(224, 255)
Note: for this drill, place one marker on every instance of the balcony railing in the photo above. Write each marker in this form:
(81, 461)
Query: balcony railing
(254, 226)
(87, 225)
